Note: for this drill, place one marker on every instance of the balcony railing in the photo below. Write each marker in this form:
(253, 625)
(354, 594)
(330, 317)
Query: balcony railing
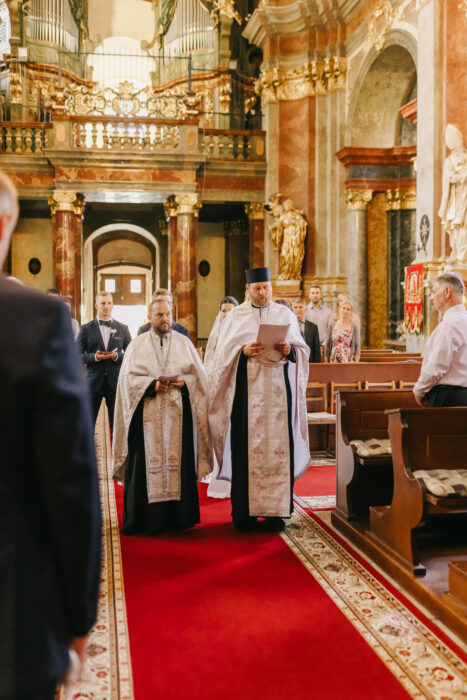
(24, 137)
(112, 134)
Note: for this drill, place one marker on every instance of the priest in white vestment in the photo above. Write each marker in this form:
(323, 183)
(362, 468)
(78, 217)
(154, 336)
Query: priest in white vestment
(257, 412)
(161, 435)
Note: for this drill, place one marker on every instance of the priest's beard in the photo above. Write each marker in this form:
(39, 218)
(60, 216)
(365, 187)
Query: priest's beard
(161, 331)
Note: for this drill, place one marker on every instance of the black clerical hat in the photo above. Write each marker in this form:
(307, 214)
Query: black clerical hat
(258, 274)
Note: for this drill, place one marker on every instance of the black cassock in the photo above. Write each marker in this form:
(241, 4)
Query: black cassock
(138, 514)
(239, 442)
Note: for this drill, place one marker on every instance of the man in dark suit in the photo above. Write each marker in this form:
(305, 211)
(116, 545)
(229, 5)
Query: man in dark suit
(102, 343)
(49, 498)
(308, 330)
(165, 295)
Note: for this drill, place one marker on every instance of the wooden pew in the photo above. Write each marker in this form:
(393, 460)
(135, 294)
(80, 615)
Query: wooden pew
(421, 438)
(364, 481)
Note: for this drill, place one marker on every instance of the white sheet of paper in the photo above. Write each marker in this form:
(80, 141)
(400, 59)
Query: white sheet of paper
(269, 334)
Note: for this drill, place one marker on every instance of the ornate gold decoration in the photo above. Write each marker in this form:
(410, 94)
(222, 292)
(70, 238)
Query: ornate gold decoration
(125, 101)
(226, 8)
(191, 102)
(401, 199)
(187, 204)
(288, 233)
(462, 5)
(249, 102)
(225, 92)
(59, 99)
(170, 207)
(25, 7)
(313, 78)
(16, 83)
(380, 22)
(358, 199)
(79, 205)
(65, 201)
(255, 210)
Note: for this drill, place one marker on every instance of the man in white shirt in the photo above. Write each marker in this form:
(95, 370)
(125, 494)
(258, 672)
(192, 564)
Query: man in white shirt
(443, 378)
(318, 313)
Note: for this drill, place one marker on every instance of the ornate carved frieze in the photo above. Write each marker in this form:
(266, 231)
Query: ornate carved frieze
(401, 199)
(170, 207)
(380, 22)
(313, 78)
(358, 199)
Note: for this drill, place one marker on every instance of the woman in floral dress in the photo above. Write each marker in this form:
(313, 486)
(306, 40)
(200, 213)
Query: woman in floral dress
(343, 337)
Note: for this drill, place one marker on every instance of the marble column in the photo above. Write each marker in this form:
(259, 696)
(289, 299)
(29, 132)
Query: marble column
(183, 261)
(171, 208)
(67, 212)
(255, 213)
(357, 254)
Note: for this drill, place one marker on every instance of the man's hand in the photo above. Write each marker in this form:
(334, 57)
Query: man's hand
(253, 349)
(421, 400)
(178, 383)
(161, 386)
(101, 355)
(283, 347)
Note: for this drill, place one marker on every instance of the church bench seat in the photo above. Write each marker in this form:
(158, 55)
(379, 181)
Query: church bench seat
(364, 461)
(424, 441)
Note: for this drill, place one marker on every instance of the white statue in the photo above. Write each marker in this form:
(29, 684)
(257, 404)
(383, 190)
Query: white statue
(453, 209)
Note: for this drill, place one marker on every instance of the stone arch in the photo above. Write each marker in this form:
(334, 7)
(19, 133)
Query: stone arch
(385, 80)
(88, 261)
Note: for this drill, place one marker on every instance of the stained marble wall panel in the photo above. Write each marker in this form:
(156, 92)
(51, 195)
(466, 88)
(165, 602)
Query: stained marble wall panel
(33, 239)
(211, 288)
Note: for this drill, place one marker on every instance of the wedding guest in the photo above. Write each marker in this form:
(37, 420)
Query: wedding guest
(345, 297)
(318, 313)
(49, 497)
(102, 343)
(343, 337)
(308, 330)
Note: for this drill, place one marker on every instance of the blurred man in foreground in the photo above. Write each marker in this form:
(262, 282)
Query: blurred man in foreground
(49, 499)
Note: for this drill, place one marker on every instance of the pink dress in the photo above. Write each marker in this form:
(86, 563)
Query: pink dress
(341, 346)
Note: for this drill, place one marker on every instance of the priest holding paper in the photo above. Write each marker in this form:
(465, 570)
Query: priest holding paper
(161, 435)
(257, 412)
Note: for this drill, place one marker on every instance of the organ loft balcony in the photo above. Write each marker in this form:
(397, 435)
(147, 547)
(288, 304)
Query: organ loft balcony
(62, 131)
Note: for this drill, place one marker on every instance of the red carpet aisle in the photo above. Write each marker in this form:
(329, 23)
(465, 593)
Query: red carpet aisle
(107, 673)
(214, 614)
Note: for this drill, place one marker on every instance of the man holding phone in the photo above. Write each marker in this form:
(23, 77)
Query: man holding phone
(102, 343)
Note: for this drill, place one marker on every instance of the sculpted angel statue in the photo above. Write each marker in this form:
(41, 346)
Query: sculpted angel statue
(453, 209)
(227, 8)
(288, 234)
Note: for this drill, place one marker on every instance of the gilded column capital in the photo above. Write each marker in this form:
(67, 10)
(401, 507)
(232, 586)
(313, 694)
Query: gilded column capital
(66, 201)
(255, 210)
(188, 204)
(358, 199)
(170, 207)
(401, 199)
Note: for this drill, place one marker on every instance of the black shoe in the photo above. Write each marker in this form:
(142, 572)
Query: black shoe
(275, 524)
(246, 525)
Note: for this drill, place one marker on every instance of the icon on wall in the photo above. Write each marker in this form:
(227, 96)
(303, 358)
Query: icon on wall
(424, 232)
(34, 266)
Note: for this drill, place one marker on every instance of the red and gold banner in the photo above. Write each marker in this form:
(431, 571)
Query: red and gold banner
(413, 312)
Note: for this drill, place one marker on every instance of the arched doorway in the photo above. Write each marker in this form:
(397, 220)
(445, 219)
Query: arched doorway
(386, 144)
(123, 259)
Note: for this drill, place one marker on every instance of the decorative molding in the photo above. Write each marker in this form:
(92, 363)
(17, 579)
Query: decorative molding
(409, 110)
(313, 78)
(356, 155)
(380, 184)
(357, 200)
(401, 199)
(380, 22)
(66, 201)
(255, 210)
(188, 204)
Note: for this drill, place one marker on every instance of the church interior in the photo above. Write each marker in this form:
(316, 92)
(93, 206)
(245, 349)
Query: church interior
(172, 144)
